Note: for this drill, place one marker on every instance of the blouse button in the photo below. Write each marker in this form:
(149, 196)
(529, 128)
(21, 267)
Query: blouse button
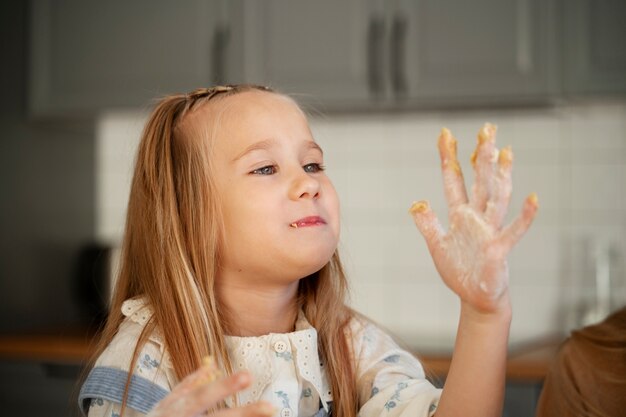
(286, 412)
(280, 347)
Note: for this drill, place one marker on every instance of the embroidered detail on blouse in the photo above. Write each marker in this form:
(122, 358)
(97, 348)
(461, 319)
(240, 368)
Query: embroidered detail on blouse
(392, 359)
(391, 403)
(284, 397)
(285, 355)
(147, 363)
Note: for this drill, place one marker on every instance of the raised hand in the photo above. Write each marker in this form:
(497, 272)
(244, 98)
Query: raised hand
(471, 256)
(203, 390)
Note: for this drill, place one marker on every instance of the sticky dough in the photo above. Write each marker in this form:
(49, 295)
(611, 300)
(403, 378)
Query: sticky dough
(465, 246)
(214, 373)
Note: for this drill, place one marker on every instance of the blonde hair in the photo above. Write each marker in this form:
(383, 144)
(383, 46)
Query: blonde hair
(170, 255)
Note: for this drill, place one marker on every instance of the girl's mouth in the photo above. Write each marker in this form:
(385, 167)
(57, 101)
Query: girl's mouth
(308, 221)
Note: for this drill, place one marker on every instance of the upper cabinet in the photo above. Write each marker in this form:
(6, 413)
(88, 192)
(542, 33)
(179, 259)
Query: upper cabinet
(457, 52)
(348, 55)
(381, 53)
(88, 56)
(318, 51)
(594, 55)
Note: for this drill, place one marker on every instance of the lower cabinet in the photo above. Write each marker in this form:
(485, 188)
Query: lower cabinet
(30, 389)
(520, 399)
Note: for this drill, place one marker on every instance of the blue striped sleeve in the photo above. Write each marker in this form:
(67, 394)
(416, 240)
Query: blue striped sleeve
(109, 384)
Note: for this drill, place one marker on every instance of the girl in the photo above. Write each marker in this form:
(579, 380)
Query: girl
(230, 254)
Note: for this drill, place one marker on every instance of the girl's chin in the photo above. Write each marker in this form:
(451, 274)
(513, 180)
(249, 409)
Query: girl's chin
(307, 262)
(312, 267)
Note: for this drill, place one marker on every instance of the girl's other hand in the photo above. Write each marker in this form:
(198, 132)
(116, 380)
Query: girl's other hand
(471, 255)
(203, 390)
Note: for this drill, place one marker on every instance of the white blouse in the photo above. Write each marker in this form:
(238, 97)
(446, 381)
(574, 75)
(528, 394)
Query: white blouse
(286, 369)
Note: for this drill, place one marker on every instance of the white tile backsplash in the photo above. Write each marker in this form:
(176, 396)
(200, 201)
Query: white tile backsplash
(597, 187)
(117, 137)
(571, 156)
(539, 250)
(535, 308)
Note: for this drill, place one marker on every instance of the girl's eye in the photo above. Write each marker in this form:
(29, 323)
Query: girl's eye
(312, 168)
(266, 170)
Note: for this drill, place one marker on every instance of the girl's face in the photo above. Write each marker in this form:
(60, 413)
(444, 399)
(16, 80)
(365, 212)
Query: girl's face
(281, 212)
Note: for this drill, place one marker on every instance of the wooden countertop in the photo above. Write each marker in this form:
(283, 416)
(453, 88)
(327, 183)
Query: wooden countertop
(72, 347)
(527, 363)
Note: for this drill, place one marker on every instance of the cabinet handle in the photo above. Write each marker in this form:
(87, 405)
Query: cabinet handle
(375, 34)
(397, 55)
(218, 54)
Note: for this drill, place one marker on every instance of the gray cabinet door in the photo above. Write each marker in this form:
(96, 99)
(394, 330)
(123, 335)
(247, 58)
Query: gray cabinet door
(317, 51)
(450, 51)
(87, 56)
(33, 389)
(594, 46)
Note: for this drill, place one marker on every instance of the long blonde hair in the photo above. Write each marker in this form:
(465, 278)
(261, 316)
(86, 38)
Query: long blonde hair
(170, 255)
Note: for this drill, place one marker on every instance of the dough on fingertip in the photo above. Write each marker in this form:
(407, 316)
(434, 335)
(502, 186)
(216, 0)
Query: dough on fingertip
(419, 207)
(487, 132)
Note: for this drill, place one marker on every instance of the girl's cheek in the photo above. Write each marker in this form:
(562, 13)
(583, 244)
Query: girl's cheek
(329, 187)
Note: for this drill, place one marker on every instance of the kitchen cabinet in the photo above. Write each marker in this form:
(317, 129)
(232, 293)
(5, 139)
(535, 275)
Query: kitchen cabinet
(376, 53)
(521, 398)
(594, 55)
(318, 51)
(350, 55)
(455, 52)
(31, 388)
(88, 56)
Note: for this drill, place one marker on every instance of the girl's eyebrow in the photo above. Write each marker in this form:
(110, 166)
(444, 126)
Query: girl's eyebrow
(269, 143)
(313, 145)
(261, 145)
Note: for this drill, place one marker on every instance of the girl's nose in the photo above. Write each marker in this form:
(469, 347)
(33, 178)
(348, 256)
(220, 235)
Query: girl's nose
(304, 186)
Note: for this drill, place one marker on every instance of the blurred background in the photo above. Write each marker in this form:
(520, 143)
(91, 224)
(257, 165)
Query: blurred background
(379, 80)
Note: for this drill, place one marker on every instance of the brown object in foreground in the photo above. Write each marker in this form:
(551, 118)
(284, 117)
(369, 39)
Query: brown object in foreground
(588, 376)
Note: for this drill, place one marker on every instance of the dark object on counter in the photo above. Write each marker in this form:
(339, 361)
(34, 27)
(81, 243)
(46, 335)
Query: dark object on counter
(588, 376)
(93, 277)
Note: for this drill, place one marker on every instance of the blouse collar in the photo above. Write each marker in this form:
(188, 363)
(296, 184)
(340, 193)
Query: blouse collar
(255, 353)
